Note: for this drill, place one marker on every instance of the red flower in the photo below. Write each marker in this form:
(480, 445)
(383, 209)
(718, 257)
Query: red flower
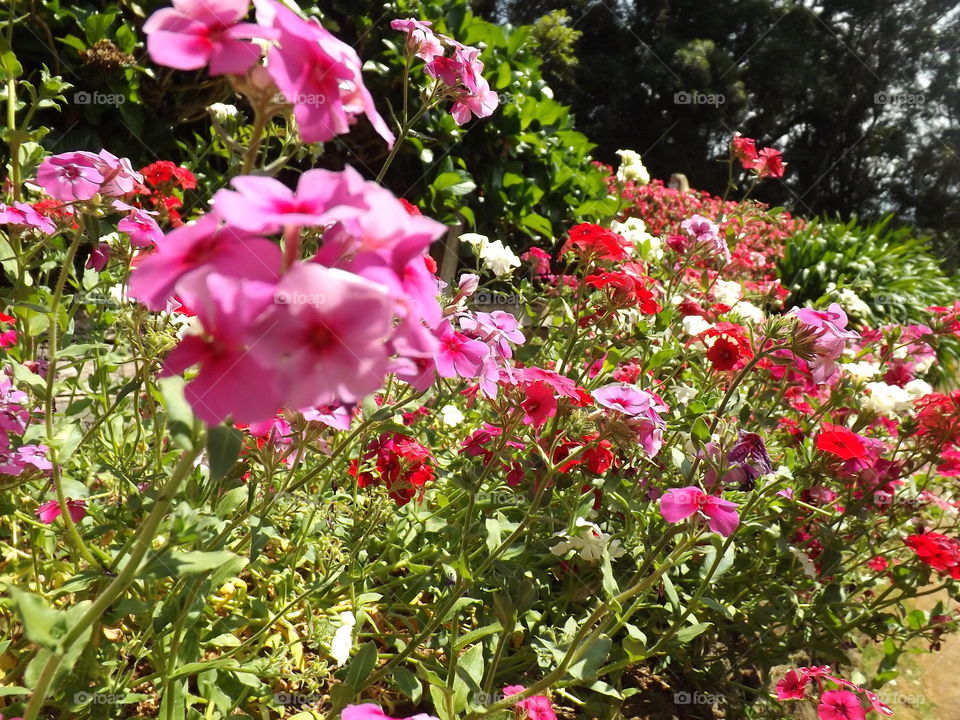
(626, 289)
(940, 552)
(723, 354)
(838, 440)
(878, 564)
(401, 462)
(597, 243)
(770, 163)
(745, 150)
(539, 405)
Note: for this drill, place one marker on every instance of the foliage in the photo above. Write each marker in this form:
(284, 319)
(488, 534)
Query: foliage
(265, 465)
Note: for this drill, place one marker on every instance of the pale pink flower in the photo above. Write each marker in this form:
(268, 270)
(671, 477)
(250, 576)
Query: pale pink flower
(119, 177)
(264, 204)
(21, 213)
(202, 243)
(71, 176)
(481, 102)
(324, 338)
(194, 33)
(832, 337)
(321, 77)
(420, 38)
(677, 504)
(624, 398)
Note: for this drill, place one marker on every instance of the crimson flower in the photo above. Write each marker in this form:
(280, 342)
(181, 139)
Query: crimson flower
(838, 440)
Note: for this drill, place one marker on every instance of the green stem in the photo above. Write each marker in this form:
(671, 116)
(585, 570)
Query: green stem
(120, 583)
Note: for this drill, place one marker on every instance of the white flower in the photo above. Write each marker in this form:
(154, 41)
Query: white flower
(852, 303)
(727, 292)
(748, 311)
(343, 638)
(918, 388)
(862, 370)
(694, 325)
(498, 258)
(684, 393)
(223, 112)
(475, 239)
(450, 415)
(887, 399)
(589, 543)
(632, 168)
(921, 366)
(634, 231)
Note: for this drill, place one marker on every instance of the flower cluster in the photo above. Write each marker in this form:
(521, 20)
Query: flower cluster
(399, 462)
(15, 417)
(765, 163)
(840, 703)
(319, 75)
(940, 552)
(458, 74)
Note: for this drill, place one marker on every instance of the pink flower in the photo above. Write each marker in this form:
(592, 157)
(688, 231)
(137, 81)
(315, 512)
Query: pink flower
(537, 707)
(792, 686)
(420, 38)
(677, 504)
(263, 204)
(141, 228)
(832, 335)
(231, 381)
(21, 213)
(840, 705)
(480, 102)
(50, 511)
(193, 33)
(71, 176)
(203, 243)
(321, 76)
(324, 338)
(498, 329)
(119, 177)
(336, 416)
(458, 354)
(624, 398)
(369, 711)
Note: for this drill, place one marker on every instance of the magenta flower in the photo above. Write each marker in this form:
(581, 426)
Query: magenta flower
(537, 707)
(369, 711)
(71, 176)
(420, 38)
(832, 337)
(99, 256)
(321, 77)
(263, 204)
(324, 338)
(792, 686)
(539, 404)
(141, 228)
(194, 33)
(840, 705)
(192, 246)
(678, 504)
(21, 213)
(458, 354)
(223, 387)
(50, 511)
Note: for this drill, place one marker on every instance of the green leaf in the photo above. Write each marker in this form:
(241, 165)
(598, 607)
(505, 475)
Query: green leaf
(408, 684)
(180, 420)
(690, 632)
(362, 665)
(223, 449)
(177, 563)
(586, 668)
(10, 67)
(458, 182)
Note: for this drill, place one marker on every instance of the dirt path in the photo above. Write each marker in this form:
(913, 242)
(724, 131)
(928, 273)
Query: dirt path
(939, 673)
